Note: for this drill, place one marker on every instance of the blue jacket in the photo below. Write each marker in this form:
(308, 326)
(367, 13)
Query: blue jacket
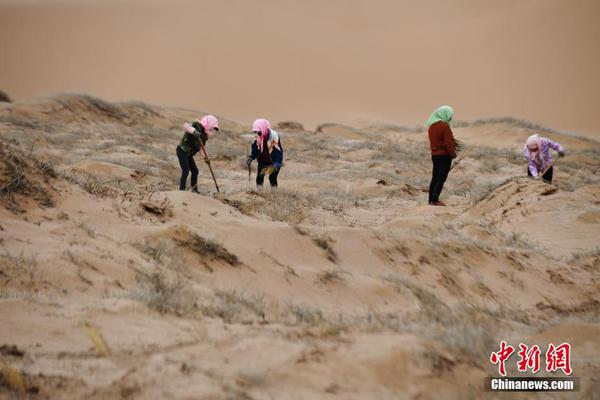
(276, 155)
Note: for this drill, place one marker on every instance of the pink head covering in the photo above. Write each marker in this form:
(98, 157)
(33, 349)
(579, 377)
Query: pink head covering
(263, 126)
(209, 122)
(534, 145)
(533, 141)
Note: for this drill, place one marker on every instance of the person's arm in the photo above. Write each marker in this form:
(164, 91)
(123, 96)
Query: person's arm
(191, 129)
(254, 153)
(533, 169)
(449, 141)
(556, 146)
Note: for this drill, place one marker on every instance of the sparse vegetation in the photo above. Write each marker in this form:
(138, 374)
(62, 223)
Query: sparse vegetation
(325, 243)
(329, 276)
(208, 249)
(443, 278)
(23, 175)
(18, 275)
(232, 306)
(165, 293)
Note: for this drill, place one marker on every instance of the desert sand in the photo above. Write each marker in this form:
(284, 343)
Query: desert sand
(345, 61)
(341, 284)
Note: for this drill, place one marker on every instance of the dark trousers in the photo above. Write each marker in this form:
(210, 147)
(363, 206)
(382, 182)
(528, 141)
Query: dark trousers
(187, 164)
(260, 177)
(441, 167)
(547, 176)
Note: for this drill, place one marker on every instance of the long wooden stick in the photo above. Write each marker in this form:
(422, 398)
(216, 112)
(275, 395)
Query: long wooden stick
(209, 166)
(460, 159)
(548, 169)
(249, 167)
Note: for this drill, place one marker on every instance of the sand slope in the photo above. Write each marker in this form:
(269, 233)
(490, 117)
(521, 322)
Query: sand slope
(341, 284)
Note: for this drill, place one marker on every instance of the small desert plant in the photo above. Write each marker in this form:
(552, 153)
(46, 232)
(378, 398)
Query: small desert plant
(329, 276)
(92, 185)
(12, 378)
(157, 253)
(207, 248)
(304, 314)
(159, 207)
(165, 293)
(18, 170)
(232, 305)
(22, 271)
(324, 243)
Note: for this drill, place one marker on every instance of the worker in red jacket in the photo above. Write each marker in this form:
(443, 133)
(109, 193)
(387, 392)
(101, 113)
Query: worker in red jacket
(443, 150)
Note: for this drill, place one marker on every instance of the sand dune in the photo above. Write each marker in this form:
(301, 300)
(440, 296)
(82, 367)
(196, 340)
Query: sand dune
(337, 61)
(112, 285)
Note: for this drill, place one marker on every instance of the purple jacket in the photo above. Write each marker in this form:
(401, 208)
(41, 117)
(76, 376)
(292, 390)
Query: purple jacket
(545, 156)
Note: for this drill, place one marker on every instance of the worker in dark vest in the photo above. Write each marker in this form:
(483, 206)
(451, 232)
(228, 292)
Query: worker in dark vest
(197, 132)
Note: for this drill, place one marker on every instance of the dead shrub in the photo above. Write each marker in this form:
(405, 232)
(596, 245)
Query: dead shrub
(164, 293)
(329, 276)
(23, 174)
(208, 249)
(325, 243)
(161, 208)
(234, 306)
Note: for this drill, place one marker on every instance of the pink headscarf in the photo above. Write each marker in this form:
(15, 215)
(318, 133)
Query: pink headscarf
(264, 127)
(532, 142)
(209, 122)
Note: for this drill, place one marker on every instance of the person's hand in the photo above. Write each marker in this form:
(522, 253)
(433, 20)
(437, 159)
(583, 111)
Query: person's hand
(561, 153)
(249, 161)
(277, 166)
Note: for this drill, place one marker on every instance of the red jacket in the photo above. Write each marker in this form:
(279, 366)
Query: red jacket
(441, 140)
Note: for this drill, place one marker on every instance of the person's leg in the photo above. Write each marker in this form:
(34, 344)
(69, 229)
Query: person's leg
(548, 175)
(185, 167)
(444, 164)
(529, 172)
(435, 176)
(260, 177)
(273, 178)
(194, 171)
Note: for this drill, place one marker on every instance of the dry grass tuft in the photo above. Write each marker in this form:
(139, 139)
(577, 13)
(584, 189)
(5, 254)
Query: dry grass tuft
(12, 378)
(208, 249)
(325, 243)
(329, 276)
(18, 272)
(162, 208)
(235, 306)
(96, 337)
(164, 293)
(21, 174)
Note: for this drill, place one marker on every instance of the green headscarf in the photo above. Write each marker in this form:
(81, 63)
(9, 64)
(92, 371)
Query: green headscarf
(443, 113)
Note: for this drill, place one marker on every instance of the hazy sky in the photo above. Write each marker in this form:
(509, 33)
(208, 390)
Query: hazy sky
(314, 61)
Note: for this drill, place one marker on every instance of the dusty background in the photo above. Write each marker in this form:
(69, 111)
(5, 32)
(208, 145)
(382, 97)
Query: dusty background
(315, 61)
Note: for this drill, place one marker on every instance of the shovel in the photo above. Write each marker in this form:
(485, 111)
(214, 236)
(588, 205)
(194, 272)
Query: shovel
(207, 160)
(460, 159)
(541, 176)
